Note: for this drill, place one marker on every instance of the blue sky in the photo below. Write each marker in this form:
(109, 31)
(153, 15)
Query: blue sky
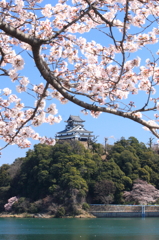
(105, 125)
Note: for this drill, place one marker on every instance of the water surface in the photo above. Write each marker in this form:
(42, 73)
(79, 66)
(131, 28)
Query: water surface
(80, 229)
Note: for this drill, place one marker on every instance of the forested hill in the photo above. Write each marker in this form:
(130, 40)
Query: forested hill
(67, 174)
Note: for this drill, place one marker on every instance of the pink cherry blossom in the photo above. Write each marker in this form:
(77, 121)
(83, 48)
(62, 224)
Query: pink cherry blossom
(11, 201)
(101, 71)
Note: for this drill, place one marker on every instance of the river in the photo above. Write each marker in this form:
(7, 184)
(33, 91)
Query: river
(79, 229)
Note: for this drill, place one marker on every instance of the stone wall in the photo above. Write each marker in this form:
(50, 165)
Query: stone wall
(84, 143)
(102, 210)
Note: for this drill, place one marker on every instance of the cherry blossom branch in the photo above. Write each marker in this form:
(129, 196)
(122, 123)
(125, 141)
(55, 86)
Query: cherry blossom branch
(52, 80)
(74, 67)
(24, 37)
(70, 24)
(43, 95)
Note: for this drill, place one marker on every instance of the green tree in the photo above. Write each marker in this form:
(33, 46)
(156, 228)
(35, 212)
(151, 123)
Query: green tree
(104, 191)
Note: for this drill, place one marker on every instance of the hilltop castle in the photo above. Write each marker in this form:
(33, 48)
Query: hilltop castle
(74, 130)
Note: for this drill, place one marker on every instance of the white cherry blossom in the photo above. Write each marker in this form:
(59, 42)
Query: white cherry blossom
(7, 91)
(105, 67)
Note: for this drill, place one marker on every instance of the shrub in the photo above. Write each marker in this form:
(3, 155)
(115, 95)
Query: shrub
(60, 212)
(21, 206)
(85, 206)
(33, 208)
(81, 193)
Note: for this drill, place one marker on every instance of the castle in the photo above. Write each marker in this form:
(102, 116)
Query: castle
(74, 130)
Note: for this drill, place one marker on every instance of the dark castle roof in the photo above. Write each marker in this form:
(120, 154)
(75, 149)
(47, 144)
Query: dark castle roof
(74, 118)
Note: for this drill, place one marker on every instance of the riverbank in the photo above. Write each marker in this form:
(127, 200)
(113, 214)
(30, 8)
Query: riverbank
(43, 215)
(25, 215)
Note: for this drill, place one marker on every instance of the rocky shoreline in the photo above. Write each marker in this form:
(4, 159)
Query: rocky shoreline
(42, 215)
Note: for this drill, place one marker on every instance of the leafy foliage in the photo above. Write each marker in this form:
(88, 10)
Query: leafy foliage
(104, 191)
(67, 174)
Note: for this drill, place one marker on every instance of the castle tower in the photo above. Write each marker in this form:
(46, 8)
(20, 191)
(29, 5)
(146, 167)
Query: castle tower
(74, 130)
